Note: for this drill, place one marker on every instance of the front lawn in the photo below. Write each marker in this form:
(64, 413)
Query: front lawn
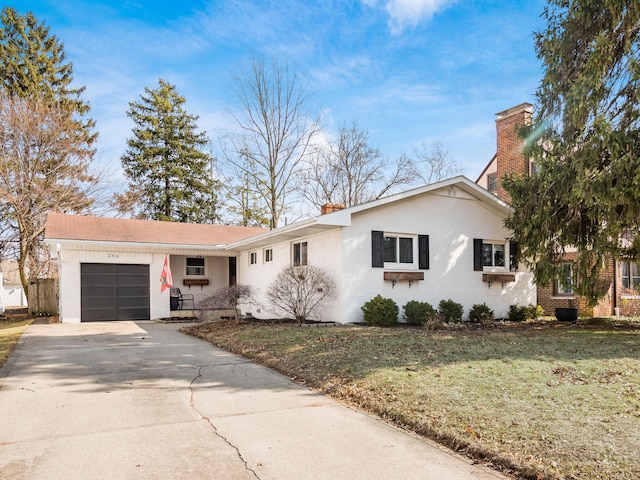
(12, 325)
(542, 401)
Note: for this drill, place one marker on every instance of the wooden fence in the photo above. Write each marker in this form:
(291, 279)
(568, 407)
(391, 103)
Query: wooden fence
(43, 297)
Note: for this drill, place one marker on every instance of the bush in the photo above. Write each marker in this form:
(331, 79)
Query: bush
(299, 292)
(518, 313)
(525, 312)
(451, 311)
(535, 311)
(481, 312)
(381, 312)
(417, 313)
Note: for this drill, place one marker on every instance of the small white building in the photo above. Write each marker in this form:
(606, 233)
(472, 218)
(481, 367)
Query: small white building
(440, 241)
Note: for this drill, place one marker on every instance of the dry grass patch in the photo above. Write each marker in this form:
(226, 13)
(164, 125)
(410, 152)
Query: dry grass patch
(12, 325)
(541, 402)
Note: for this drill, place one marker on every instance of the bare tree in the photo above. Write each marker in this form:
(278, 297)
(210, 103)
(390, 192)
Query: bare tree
(44, 166)
(433, 163)
(230, 297)
(349, 171)
(299, 291)
(243, 202)
(276, 125)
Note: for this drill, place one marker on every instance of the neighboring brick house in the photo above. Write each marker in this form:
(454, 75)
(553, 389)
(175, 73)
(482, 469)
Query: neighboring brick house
(623, 296)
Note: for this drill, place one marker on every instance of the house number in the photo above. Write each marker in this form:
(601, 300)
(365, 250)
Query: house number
(113, 255)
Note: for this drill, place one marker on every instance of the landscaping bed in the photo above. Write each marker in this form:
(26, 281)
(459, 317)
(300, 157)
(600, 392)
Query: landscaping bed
(539, 400)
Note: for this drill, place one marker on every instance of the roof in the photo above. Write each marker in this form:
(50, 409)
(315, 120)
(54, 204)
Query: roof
(61, 227)
(493, 159)
(342, 218)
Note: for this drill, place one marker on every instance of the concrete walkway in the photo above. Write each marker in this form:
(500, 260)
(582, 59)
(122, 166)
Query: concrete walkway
(142, 401)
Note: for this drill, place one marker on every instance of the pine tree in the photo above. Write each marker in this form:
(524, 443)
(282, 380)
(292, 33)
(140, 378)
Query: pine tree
(585, 141)
(165, 162)
(34, 66)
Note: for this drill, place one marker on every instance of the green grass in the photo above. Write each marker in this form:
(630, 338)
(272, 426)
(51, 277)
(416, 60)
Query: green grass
(543, 402)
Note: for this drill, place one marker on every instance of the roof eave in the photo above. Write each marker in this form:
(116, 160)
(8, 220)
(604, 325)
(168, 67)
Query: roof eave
(112, 243)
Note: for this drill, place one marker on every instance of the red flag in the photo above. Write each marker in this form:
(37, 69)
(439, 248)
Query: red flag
(165, 277)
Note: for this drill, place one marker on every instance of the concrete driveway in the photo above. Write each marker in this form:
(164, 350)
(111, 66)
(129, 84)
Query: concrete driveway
(128, 400)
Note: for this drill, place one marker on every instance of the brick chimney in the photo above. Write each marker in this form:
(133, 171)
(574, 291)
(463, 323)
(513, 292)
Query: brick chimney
(331, 207)
(509, 157)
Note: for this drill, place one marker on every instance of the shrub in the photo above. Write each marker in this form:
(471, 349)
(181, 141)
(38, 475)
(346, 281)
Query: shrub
(525, 312)
(299, 291)
(417, 313)
(230, 297)
(535, 311)
(481, 312)
(518, 313)
(451, 311)
(382, 312)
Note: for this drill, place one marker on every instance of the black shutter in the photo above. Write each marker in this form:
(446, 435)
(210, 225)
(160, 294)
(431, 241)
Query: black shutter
(513, 256)
(377, 249)
(477, 254)
(423, 252)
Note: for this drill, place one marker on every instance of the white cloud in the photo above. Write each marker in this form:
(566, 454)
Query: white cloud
(409, 13)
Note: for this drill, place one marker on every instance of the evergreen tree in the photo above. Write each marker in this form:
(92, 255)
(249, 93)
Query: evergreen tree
(165, 162)
(585, 141)
(34, 66)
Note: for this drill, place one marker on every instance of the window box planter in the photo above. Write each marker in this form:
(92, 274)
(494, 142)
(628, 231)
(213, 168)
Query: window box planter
(195, 281)
(567, 314)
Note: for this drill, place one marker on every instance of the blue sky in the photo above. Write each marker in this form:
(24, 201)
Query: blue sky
(407, 71)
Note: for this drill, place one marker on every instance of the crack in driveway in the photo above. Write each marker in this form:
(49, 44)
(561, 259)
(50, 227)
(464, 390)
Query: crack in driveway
(215, 430)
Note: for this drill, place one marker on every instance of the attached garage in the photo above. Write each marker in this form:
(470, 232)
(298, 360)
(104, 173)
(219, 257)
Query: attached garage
(110, 268)
(110, 291)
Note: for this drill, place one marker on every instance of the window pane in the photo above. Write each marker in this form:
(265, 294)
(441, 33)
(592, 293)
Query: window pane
(303, 253)
(498, 255)
(487, 254)
(390, 249)
(296, 254)
(195, 266)
(492, 181)
(565, 279)
(406, 250)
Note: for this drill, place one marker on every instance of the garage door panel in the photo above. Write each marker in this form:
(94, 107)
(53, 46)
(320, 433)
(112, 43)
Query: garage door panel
(101, 303)
(99, 268)
(133, 281)
(99, 291)
(132, 302)
(137, 291)
(114, 292)
(134, 313)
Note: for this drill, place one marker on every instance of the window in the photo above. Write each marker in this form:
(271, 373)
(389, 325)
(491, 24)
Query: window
(492, 182)
(398, 249)
(493, 254)
(299, 254)
(253, 258)
(631, 278)
(564, 282)
(268, 255)
(195, 266)
(533, 168)
(389, 248)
